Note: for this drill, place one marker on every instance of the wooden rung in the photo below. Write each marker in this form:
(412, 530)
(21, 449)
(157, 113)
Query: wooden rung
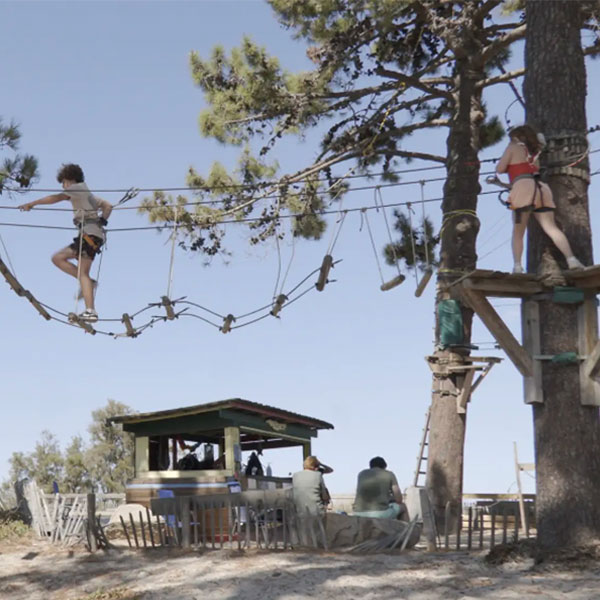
(11, 280)
(126, 320)
(227, 321)
(77, 320)
(166, 302)
(37, 305)
(324, 272)
(526, 466)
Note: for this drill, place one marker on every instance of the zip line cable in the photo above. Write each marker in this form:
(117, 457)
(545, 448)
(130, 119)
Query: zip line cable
(134, 191)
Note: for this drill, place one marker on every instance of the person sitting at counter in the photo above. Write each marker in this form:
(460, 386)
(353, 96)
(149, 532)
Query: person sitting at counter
(310, 493)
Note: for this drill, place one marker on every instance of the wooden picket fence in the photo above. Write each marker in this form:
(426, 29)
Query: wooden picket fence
(256, 518)
(487, 526)
(66, 519)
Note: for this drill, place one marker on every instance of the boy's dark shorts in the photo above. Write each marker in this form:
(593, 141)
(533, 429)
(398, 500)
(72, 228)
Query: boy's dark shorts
(90, 245)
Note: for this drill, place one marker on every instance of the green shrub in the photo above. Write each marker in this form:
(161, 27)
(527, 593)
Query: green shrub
(11, 526)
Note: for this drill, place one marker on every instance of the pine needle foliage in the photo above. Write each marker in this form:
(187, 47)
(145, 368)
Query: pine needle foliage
(379, 71)
(18, 171)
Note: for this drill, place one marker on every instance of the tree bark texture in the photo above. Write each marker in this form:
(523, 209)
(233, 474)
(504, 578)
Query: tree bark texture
(457, 256)
(566, 434)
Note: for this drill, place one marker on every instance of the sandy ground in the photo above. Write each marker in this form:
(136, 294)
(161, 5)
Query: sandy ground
(37, 570)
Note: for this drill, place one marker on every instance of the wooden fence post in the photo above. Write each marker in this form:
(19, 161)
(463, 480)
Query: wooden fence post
(185, 522)
(91, 522)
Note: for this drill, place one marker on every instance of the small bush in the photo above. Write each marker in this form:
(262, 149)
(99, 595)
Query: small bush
(11, 526)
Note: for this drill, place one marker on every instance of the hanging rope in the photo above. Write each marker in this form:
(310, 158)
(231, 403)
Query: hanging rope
(428, 268)
(409, 210)
(172, 261)
(366, 218)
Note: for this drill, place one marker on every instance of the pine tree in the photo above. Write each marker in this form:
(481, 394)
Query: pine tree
(18, 171)
(567, 434)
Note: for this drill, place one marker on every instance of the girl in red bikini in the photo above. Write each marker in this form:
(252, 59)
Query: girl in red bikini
(528, 194)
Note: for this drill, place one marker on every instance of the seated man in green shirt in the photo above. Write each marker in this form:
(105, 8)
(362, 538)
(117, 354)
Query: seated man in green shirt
(378, 495)
(310, 493)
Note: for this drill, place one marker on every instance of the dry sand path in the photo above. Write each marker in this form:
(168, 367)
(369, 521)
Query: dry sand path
(40, 571)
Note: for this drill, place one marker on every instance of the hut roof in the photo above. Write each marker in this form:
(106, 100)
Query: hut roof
(237, 404)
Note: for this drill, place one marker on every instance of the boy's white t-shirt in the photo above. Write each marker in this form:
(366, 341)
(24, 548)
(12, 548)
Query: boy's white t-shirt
(85, 208)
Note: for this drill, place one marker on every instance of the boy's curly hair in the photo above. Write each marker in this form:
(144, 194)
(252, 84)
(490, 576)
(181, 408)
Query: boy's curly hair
(71, 172)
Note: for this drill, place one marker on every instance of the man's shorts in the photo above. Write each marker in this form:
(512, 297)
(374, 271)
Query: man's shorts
(90, 245)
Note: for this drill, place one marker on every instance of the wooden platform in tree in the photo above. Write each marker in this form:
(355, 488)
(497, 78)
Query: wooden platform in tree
(520, 285)
(578, 287)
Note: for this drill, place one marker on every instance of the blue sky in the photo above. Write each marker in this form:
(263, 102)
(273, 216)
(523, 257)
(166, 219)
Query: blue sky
(107, 85)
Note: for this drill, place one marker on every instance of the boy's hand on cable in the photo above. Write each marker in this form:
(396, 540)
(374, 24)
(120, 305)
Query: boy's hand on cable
(26, 207)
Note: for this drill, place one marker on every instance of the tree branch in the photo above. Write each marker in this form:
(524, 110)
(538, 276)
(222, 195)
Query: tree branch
(502, 42)
(413, 82)
(500, 78)
(591, 50)
(485, 9)
(419, 155)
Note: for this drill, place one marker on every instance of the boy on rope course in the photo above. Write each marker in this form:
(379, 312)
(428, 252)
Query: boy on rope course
(91, 216)
(528, 194)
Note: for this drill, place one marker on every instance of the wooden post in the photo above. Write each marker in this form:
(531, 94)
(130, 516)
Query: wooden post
(142, 529)
(150, 527)
(232, 437)
(530, 327)
(91, 522)
(465, 392)
(135, 537)
(587, 325)
(184, 503)
(446, 524)
(125, 531)
(470, 528)
(306, 450)
(142, 455)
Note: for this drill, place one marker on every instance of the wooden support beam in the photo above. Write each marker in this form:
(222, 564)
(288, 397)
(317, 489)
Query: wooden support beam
(306, 450)
(530, 325)
(490, 318)
(142, 455)
(587, 326)
(591, 365)
(504, 288)
(232, 439)
(465, 393)
(483, 374)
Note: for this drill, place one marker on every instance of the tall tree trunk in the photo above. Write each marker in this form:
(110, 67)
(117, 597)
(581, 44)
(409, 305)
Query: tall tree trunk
(457, 256)
(567, 434)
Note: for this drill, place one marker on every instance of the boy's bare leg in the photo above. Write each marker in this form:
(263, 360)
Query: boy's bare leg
(62, 260)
